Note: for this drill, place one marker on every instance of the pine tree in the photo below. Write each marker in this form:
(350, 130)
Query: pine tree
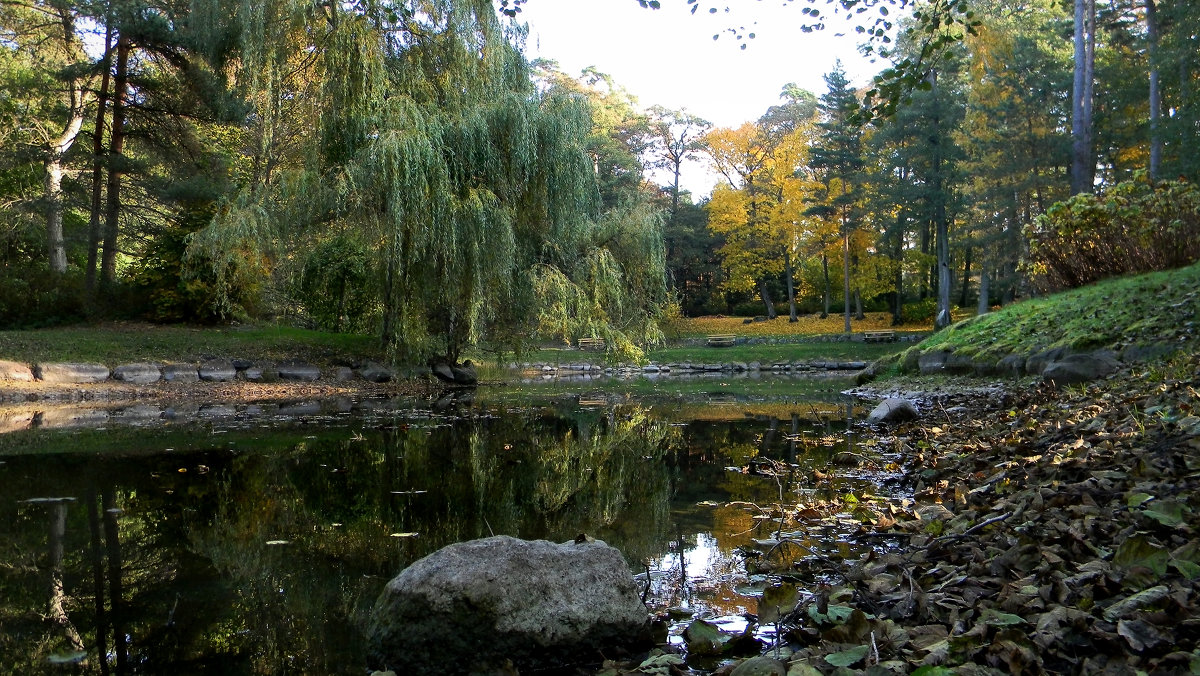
(837, 158)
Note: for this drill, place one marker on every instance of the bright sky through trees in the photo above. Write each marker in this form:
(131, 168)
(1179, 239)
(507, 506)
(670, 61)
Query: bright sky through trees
(668, 56)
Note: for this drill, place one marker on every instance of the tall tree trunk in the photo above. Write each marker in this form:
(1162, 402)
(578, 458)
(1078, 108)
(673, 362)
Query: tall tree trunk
(791, 286)
(858, 305)
(108, 263)
(675, 192)
(98, 162)
(1155, 92)
(984, 304)
(112, 544)
(898, 255)
(846, 274)
(926, 276)
(943, 266)
(966, 279)
(54, 223)
(825, 272)
(52, 182)
(765, 295)
(97, 557)
(1082, 163)
(57, 609)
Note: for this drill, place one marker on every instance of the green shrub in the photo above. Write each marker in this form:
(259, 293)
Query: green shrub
(166, 289)
(336, 285)
(33, 297)
(1138, 226)
(920, 311)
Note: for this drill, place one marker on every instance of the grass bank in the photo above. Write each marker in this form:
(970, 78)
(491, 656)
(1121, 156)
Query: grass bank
(1156, 310)
(114, 343)
(119, 343)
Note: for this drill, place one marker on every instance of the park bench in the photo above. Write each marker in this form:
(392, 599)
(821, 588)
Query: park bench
(591, 343)
(723, 340)
(879, 336)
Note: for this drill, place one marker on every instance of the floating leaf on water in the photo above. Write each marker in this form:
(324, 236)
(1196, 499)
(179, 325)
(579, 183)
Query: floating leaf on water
(404, 535)
(777, 601)
(933, 671)
(279, 542)
(661, 660)
(704, 638)
(848, 657)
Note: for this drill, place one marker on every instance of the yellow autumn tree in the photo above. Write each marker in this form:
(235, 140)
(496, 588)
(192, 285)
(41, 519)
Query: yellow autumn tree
(760, 209)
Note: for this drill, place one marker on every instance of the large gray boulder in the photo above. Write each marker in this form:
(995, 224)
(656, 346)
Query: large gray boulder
(465, 374)
(140, 373)
(1079, 368)
(181, 373)
(892, 410)
(376, 373)
(1037, 363)
(299, 371)
(217, 371)
(945, 361)
(64, 373)
(474, 606)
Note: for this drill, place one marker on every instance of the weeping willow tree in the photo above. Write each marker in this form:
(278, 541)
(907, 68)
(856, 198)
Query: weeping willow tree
(431, 143)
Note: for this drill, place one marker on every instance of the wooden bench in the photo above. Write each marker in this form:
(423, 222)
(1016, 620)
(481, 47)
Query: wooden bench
(723, 340)
(879, 336)
(591, 343)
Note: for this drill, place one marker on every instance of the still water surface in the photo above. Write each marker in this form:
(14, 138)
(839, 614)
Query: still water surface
(253, 539)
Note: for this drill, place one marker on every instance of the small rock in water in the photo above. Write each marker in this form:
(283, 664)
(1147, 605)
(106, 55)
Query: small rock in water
(893, 410)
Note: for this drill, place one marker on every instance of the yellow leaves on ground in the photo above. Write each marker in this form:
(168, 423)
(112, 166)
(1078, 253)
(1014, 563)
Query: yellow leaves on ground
(810, 325)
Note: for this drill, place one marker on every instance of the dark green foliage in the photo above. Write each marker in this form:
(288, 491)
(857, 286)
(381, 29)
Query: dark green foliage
(165, 292)
(920, 311)
(339, 287)
(1138, 226)
(692, 262)
(32, 297)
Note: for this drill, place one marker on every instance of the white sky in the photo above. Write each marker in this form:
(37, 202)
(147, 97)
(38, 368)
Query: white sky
(668, 56)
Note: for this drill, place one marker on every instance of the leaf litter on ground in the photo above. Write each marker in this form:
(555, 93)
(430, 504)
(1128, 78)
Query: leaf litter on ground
(1048, 531)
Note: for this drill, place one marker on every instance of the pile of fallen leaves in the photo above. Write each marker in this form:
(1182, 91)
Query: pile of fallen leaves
(1042, 531)
(807, 325)
(1056, 533)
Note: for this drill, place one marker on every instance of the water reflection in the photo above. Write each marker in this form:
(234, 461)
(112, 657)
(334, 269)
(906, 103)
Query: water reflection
(254, 540)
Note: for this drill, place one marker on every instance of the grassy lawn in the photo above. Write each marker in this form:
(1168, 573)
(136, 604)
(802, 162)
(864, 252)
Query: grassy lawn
(117, 343)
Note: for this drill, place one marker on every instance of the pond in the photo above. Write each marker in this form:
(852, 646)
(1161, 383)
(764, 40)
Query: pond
(254, 538)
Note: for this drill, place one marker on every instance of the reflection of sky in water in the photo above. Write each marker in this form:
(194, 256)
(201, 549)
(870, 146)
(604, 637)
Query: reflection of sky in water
(703, 586)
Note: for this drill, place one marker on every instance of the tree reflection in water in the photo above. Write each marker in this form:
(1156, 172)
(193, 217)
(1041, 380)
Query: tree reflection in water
(238, 548)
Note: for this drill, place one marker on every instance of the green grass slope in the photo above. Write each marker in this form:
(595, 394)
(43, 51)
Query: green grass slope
(1156, 310)
(118, 343)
